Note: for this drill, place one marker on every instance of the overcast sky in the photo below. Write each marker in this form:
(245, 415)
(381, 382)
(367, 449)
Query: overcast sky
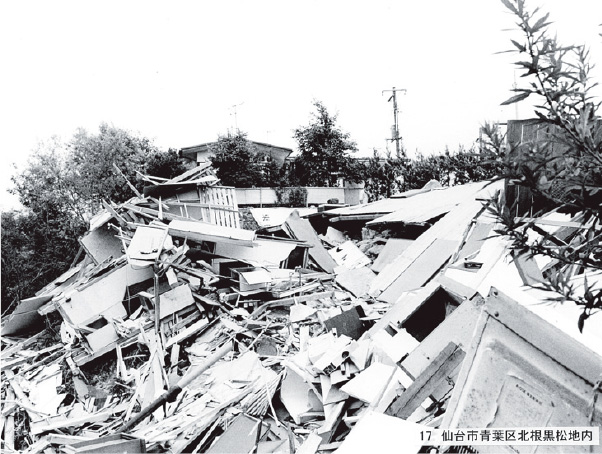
(173, 71)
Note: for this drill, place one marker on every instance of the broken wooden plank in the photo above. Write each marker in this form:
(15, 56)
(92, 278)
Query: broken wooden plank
(7, 364)
(9, 424)
(122, 222)
(301, 229)
(62, 421)
(185, 334)
(451, 227)
(440, 368)
(18, 346)
(175, 300)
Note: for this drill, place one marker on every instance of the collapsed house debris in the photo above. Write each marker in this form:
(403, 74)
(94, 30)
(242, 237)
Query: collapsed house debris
(182, 332)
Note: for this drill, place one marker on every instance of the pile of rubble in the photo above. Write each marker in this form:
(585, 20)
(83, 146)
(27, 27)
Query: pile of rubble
(182, 332)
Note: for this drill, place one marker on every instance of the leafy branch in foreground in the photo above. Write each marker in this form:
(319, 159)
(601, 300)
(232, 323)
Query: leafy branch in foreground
(561, 165)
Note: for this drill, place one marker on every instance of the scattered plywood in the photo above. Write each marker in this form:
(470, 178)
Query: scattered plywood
(396, 346)
(265, 253)
(370, 384)
(331, 394)
(300, 312)
(26, 317)
(62, 421)
(92, 300)
(404, 307)
(298, 396)
(429, 205)
(348, 255)
(393, 248)
(301, 229)
(357, 281)
(458, 328)
(175, 300)
(333, 236)
(146, 245)
(421, 270)
(187, 332)
(118, 443)
(101, 244)
(240, 436)
(102, 337)
(253, 279)
(311, 444)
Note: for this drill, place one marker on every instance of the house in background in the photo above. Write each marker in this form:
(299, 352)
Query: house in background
(202, 153)
(344, 192)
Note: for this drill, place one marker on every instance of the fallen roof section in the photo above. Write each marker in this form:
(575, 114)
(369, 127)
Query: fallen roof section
(448, 231)
(378, 208)
(423, 207)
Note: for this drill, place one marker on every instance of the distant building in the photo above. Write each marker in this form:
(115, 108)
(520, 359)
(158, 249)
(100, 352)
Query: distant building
(202, 153)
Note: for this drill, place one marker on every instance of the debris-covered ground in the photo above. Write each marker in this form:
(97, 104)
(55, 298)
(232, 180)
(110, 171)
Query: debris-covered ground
(348, 330)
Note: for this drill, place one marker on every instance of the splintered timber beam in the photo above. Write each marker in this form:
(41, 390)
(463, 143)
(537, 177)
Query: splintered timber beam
(172, 393)
(131, 186)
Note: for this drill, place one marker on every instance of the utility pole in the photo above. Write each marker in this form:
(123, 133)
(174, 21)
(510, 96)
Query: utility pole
(235, 116)
(395, 128)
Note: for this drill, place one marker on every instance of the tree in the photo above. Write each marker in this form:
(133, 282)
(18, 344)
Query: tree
(60, 188)
(324, 150)
(383, 176)
(37, 247)
(94, 157)
(238, 163)
(562, 169)
(47, 184)
(164, 164)
(450, 168)
(40, 241)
